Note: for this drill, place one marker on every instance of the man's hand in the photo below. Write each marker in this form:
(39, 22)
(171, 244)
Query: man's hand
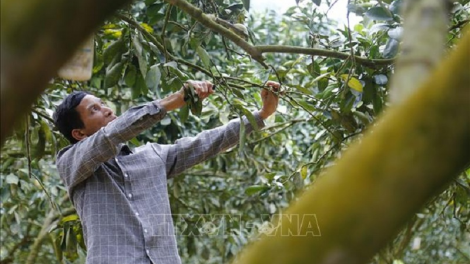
(270, 99)
(174, 101)
(202, 88)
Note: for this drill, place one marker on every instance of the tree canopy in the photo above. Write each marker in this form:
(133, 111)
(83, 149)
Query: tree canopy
(334, 128)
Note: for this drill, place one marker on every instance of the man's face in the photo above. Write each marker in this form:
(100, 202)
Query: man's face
(95, 114)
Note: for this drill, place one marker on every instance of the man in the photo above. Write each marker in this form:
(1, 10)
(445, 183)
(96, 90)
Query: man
(120, 194)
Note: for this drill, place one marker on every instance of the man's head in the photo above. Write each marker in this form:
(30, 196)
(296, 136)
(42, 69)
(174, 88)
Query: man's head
(80, 115)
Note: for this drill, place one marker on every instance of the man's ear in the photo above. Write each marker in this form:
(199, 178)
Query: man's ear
(78, 134)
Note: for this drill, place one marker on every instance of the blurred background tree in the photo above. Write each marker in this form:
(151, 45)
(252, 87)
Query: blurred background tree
(334, 78)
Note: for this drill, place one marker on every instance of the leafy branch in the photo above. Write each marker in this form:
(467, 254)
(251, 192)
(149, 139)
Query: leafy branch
(206, 21)
(256, 51)
(170, 56)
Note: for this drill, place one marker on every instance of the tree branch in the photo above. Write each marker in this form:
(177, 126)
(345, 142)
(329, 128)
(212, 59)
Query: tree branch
(52, 216)
(373, 63)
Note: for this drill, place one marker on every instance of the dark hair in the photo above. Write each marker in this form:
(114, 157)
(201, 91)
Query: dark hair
(66, 118)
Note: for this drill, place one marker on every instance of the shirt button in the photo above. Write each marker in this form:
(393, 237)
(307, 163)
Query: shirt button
(129, 195)
(126, 175)
(148, 251)
(136, 214)
(145, 230)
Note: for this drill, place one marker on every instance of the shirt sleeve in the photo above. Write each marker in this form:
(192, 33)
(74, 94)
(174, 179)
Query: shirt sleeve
(189, 151)
(78, 162)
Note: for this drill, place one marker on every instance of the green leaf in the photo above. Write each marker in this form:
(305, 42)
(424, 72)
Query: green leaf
(184, 113)
(347, 103)
(379, 13)
(58, 248)
(246, 3)
(395, 6)
(323, 83)
(270, 175)
(72, 217)
(353, 82)
(113, 75)
(317, 2)
(63, 242)
(130, 76)
(391, 49)
(204, 56)
(314, 69)
(369, 90)
(303, 172)
(380, 79)
(135, 142)
(12, 179)
(238, 93)
(165, 121)
(242, 140)
(140, 87)
(172, 64)
(114, 49)
(182, 76)
(152, 79)
(357, 9)
(81, 240)
(362, 117)
(303, 89)
(71, 242)
(138, 51)
(378, 28)
(396, 33)
(377, 103)
(251, 118)
(307, 105)
(255, 189)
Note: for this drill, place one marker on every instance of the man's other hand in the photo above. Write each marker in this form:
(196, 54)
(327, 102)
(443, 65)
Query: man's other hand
(270, 99)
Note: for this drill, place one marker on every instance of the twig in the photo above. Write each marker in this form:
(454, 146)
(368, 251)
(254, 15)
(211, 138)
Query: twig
(167, 18)
(43, 115)
(285, 126)
(27, 140)
(313, 116)
(54, 205)
(460, 24)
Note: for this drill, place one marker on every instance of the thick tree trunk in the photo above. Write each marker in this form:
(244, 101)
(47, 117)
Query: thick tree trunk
(38, 36)
(413, 152)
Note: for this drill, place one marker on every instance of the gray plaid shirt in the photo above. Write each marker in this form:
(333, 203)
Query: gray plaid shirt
(121, 196)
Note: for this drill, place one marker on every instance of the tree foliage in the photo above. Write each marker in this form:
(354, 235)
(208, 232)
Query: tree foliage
(335, 81)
